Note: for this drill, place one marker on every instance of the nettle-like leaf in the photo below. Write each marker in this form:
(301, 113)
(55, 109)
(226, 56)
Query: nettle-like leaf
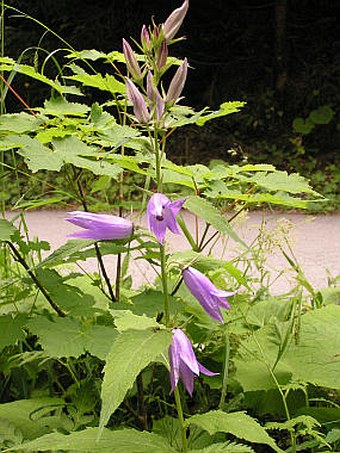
(238, 424)
(60, 107)
(225, 109)
(32, 416)
(132, 351)
(69, 337)
(11, 329)
(86, 441)
(19, 123)
(225, 447)
(314, 358)
(7, 229)
(8, 64)
(104, 83)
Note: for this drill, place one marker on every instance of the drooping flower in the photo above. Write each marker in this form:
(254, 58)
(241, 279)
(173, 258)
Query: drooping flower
(100, 227)
(177, 83)
(161, 213)
(175, 20)
(211, 298)
(183, 362)
(140, 108)
(131, 60)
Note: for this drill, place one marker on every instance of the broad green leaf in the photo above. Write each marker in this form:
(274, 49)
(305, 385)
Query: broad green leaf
(225, 447)
(9, 434)
(60, 107)
(19, 123)
(303, 126)
(282, 181)
(126, 320)
(120, 441)
(238, 424)
(31, 72)
(323, 115)
(6, 230)
(107, 83)
(91, 54)
(11, 330)
(132, 351)
(68, 337)
(212, 216)
(314, 358)
(30, 416)
(225, 109)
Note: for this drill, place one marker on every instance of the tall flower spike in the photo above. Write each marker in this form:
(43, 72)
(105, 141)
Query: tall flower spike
(183, 362)
(161, 213)
(131, 60)
(139, 105)
(177, 83)
(100, 227)
(175, 20)
(211, 298)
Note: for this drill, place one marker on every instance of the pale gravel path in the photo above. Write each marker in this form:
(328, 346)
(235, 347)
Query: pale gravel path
(315, 239)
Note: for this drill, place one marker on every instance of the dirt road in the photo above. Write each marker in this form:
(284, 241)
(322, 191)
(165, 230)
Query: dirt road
(315, 241)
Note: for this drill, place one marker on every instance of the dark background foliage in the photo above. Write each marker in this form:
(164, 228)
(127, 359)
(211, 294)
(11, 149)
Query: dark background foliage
(281, 56)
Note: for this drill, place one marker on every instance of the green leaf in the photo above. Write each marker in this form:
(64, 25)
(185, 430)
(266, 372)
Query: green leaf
(11, 330)
(282, 181)
(6, 230)
(9, 434)
(212, 216)
(60, 107)
(19, 123)
(225, 109)
(303, 126)
(68, 337)
(31, 72)
(30, 415)
(126, 320)
(131, 353)
(238, 424)
(120, 441)
(323, 115)
(106, 83)
(225, 447)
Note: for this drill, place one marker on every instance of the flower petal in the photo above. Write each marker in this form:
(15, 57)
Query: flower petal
(206, 371)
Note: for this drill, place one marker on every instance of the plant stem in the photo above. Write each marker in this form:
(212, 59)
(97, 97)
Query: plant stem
(164, 284)
(181, 420)
(226, 369)
(35, 279)
(142, 415)
(96, 246)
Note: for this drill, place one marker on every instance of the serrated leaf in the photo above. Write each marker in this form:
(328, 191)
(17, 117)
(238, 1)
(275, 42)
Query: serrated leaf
(126, 320)
(6, 230)
(225, 109)
(238, 424)
(104, 83)
(29, 415)
(225, 447)
(60, 107)
(120, 441)
(212, 216)
(19, 123)
(9, 434)
(282, 181)
(11, 330)
(68, 337)
(132, 351)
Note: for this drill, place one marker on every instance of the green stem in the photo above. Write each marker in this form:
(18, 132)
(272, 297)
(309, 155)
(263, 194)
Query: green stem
(226, 369)
(181, 420)
(165, 285)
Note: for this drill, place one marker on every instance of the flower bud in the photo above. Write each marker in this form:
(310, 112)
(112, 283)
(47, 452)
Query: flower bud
(162, 55)
(174, 21)
(145, 38)
(154, 96)
(139, 105)
(131, 61)
(177, 82)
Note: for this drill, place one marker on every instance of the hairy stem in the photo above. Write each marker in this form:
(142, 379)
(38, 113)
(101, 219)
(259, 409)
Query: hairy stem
(226, 369)
(181, 420)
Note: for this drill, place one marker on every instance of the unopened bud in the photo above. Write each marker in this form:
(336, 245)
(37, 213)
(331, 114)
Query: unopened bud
(139, 105)
(177, 82)
(154, 96)
(145, 38)
(131, 61)
(162, 55)
(174, 21)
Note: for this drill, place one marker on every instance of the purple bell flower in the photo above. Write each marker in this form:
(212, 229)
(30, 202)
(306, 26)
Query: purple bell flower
(211, 298)
(139, 105)
(161, 213)
(100, 227)
(183, 362)
(175, 20)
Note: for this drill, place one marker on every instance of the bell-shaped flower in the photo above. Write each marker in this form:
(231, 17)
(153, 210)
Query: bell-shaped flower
(140, 108)
(183, 362)
(131, 60)
(161, 213)
(211, 298)
(177, 83)
(175, 20)
(100, 227)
